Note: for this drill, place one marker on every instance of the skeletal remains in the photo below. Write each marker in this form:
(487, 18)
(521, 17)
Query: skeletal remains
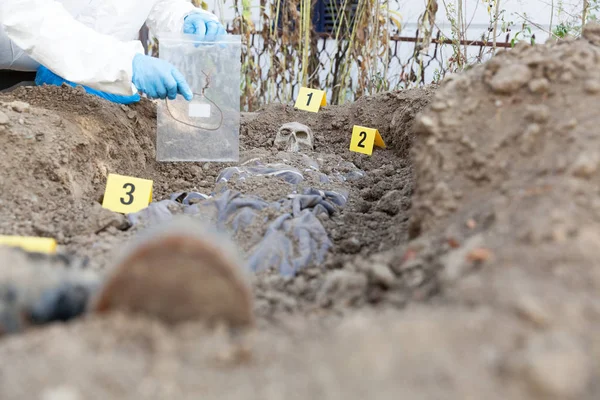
(293, 137)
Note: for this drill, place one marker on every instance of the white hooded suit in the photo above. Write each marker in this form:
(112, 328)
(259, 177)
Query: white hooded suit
(89, 42)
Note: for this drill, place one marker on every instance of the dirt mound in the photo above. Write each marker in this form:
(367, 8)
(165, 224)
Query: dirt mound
(505, 217)
(507, 173)
(501, 249)
(58, 146)
(410, 355)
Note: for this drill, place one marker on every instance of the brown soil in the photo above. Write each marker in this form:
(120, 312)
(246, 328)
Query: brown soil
(489, 289)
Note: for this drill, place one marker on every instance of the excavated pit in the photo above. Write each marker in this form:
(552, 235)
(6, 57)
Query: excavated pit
(66, 142)
(464, 264)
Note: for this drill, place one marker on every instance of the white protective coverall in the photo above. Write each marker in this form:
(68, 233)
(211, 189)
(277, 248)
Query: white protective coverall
(89, 42)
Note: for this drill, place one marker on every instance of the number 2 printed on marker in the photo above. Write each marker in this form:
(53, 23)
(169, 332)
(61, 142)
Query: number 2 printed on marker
(363, 136)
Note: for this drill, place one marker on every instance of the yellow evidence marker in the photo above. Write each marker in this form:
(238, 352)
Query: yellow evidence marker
(363, 139)
(126, 195)
(30, 243)
(311, 99)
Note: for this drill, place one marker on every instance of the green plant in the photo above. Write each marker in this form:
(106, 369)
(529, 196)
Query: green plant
(561, 30)
(525, 33)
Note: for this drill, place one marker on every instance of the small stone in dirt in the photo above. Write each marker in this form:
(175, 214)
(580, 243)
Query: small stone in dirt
(60, 393)
(342, 287)
(312, 273)
(4, 120)
(452, 242)
(390, 202)
(539, 86)
(510, 78)
(591, 32)
(456, 263)
(414, 277)
(566, 77)
(19, 106)
(568, 125)
(471, 224)
(425, 125)
(585, 165)
(539, 113)
(479, 255)
(380, 274)
(592, 86)
(557, 365)
(530, 309)
(409, 254)
(351, 245)
(439, 106)
(299, 286)
(406, 265)
(104, 219)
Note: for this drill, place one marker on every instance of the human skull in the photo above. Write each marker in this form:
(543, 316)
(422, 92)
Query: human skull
(293, 136)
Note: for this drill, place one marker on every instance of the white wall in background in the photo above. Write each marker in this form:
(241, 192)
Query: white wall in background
(537, 11)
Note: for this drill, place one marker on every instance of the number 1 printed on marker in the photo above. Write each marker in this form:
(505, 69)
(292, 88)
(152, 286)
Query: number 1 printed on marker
(310, 95)
(304, 100)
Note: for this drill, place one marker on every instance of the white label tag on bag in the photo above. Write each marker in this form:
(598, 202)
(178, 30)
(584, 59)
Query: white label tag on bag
(199, 110)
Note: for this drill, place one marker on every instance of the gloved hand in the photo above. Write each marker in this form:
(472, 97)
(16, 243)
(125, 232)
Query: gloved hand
(203, 26)
(45, 76)
(159, 79)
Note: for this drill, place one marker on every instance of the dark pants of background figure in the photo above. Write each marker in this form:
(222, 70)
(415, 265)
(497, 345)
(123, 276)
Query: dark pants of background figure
(10, 79)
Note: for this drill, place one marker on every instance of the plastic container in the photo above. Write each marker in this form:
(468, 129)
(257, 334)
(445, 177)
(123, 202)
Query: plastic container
(207, 128)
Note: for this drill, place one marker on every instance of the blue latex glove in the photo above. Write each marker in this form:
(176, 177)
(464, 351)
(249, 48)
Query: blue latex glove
(159, 79)
(45, 76)
(203, 26)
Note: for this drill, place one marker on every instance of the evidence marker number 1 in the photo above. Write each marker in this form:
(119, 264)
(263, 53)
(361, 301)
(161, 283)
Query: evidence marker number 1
(310, 99)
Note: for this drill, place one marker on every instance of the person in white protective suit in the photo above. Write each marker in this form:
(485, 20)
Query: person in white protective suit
(93, 43)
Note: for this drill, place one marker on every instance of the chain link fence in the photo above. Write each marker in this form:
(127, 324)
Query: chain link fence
(271, 68)
(402, 65)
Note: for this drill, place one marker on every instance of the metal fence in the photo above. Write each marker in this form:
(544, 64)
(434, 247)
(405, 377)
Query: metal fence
(270, 69)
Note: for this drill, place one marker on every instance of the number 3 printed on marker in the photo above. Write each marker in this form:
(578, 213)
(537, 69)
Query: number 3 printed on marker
(131, 188)
(126, 194)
